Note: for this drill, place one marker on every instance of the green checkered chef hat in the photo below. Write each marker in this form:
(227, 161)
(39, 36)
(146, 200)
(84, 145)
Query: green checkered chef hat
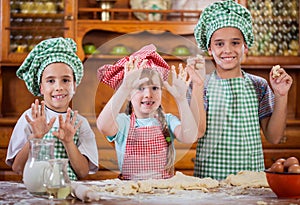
(223, 14)
(54, 50)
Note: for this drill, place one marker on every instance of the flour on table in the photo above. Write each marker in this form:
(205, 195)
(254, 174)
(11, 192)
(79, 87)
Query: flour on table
(261, 203)
(241, 184)
(179, 181)
(247, 179)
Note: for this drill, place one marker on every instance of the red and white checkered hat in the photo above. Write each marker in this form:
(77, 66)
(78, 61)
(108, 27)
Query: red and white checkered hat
(112, 75)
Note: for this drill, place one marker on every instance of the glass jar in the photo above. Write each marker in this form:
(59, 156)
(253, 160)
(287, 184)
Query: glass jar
(41, 150)
(56, 179)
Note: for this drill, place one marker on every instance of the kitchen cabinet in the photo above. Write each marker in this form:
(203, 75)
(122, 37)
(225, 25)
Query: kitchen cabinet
(275, 23)
(25, 23)
(87, 23)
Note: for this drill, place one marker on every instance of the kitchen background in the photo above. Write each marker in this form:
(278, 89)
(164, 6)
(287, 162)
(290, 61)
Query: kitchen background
(106, 30)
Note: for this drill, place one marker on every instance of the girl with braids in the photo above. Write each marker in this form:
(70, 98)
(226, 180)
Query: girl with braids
(144, 135)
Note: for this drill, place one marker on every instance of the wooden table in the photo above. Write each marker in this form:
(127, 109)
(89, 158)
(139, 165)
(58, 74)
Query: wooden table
(15, 192)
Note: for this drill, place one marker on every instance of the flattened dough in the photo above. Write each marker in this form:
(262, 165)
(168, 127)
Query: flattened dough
(248, 179)
(179, 181)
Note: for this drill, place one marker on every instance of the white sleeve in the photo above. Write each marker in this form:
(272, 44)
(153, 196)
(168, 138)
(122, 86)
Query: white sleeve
(18, 138)
(87, 145)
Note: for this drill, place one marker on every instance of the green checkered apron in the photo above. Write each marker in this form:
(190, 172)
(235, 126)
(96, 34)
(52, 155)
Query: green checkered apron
(232, 141)
(60, 151)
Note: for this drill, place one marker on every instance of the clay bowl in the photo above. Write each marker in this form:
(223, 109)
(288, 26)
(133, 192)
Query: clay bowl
(284, 185)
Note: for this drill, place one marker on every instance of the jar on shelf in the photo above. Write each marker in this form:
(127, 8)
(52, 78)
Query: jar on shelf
(275, 26)
(21, 43)
(14, 6)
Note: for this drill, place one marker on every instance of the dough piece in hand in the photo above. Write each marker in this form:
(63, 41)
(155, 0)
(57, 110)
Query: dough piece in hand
(198, 61)
(275, 72)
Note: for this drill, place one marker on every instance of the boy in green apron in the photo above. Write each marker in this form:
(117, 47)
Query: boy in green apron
(237, 103)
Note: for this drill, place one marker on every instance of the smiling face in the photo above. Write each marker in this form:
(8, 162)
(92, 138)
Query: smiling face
(147, 98)
(227, 46)
(58, 86)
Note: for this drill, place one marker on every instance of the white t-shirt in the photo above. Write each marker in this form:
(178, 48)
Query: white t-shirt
(86, 143)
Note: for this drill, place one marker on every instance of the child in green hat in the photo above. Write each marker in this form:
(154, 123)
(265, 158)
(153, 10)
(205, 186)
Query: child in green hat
(53, 70)
(237, 103)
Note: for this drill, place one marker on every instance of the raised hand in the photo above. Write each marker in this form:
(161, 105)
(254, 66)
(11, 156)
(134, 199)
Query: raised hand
(281, 84)
(68, 127)
(179, 83)
(132, 73)
(196, 69)
(38, 121)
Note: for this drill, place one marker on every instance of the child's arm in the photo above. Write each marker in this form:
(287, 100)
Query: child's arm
(67, 130)
(20, 159)
(274, 126)
(187, 132)
(106, 121)
(196, 70)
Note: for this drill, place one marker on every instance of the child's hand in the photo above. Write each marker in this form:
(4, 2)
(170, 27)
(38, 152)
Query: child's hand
(67, 128)
(38, 121)
(132, 73)
(196, 69)
(179, 83)
(281, 83)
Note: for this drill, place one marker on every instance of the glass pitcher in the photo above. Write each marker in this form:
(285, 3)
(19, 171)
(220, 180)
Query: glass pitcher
(41, 150)
(56, 179)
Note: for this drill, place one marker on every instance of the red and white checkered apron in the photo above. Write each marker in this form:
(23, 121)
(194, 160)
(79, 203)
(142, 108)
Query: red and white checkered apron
(145, 154)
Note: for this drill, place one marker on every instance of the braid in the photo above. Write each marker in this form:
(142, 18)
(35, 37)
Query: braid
(166, 133)
(162, 120)
(128, 109)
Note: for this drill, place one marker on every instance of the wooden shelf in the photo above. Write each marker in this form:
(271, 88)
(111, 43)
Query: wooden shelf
(287, 61)
(128, 14)
(37, 28)
(125, 27)
(20, 15)
(117, 57)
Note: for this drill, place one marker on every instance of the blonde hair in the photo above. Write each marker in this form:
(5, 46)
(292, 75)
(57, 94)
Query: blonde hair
(150, 73)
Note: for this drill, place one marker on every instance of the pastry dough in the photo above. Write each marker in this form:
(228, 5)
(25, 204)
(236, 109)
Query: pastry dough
(199, 62)
(181, 181)
(177, 182)
(275, 73)
(173, 185)
(248, 179)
